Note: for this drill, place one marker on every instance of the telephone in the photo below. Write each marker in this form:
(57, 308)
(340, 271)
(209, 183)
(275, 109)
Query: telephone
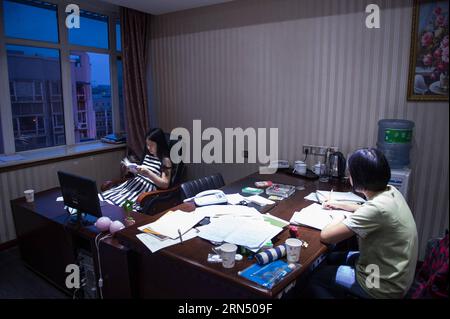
(209, 197)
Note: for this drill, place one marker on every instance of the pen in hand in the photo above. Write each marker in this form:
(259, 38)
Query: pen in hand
(181, 238)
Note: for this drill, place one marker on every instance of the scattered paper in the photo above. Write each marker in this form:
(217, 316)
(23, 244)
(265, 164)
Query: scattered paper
(315, 216)
(234, 199)
(251, 232)
(259, 200)
(154, 244)
(173, 223)
(275, 220)
(219, 210)
(321, 196)
(340, 196)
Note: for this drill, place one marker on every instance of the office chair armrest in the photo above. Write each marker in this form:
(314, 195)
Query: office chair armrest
(147, 195)
(110, 184)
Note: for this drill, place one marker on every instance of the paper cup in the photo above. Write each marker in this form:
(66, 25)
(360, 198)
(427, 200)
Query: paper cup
(29, 195)
(228, 254)
(299, 167)
(293, 247)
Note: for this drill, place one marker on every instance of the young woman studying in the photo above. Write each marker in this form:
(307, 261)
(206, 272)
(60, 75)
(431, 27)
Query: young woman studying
(385, 264)
(153, 173)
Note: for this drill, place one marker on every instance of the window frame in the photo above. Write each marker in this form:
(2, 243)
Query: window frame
(64, 47)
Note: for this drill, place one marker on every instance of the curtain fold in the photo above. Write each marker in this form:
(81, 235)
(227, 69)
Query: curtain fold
(135, 25)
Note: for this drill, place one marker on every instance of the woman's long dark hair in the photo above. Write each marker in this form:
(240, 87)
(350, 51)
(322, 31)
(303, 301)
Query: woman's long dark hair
(157, 135)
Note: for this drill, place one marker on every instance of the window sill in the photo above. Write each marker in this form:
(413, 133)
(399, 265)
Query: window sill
(55, 154)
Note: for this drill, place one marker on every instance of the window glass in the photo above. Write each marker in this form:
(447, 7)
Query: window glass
(93, 30)
(118, 37)
(34, 20)
(91, 87)
(36, 97)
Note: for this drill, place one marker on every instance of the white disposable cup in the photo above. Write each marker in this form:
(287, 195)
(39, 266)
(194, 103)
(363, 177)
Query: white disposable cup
(29, 195)
(228, 255)
(300, 167)
(293, 247)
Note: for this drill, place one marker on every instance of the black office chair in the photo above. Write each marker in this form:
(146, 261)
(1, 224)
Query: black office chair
(192, 188)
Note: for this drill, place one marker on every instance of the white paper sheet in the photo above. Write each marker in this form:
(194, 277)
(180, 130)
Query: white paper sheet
(234, 199)
(174, 222)
(340, 196)
(259, 200)
(219, 210)
(251, 232)
(315, 216)
(154, 244)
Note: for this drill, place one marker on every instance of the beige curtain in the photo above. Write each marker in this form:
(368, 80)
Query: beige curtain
(134, 51)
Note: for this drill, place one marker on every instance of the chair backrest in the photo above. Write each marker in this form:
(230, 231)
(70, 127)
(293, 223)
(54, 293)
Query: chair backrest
(177, 169)
(192, 188)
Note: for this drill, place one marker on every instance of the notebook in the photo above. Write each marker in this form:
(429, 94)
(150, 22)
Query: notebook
(315, 216)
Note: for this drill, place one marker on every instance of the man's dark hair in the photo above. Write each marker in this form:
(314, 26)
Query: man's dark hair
(369, 170)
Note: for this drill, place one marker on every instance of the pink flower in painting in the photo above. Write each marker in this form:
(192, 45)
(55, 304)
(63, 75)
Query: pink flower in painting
(441, 66)
(427, 60)
(437, 54)
(441, 21)
(444, 42)
(445, 55)
(437, 11)
(427, 39)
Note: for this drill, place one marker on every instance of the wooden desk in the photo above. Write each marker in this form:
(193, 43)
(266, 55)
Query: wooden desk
(48, 243)
(182, 271)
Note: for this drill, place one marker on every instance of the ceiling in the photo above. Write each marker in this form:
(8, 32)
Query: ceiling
(164, 6)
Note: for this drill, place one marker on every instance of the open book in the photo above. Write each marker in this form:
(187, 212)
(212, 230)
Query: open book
(339, 196)
(132, 167)
(315, 216)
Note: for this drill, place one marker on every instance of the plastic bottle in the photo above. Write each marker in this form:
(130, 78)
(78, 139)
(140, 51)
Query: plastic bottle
(395, 141)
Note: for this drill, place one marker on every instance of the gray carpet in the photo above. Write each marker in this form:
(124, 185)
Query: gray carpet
(19, 282)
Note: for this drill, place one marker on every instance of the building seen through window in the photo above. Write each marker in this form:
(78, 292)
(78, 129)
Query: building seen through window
(91, 95)
(36, 97)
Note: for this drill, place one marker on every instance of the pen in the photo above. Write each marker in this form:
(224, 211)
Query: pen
(181, 238)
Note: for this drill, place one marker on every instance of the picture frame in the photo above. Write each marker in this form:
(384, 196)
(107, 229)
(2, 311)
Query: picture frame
(428, 78)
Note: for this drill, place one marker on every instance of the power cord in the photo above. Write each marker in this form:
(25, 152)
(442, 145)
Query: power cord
(98, 240)
(306, 155)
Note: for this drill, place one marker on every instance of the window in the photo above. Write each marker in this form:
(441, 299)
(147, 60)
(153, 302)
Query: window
(35, 89)
(93, 31)
(33, 51)
(22, 18)
(92, 103)
(118, 37)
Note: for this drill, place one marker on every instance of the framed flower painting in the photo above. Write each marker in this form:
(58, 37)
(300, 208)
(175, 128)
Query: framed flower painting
(428, 67)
